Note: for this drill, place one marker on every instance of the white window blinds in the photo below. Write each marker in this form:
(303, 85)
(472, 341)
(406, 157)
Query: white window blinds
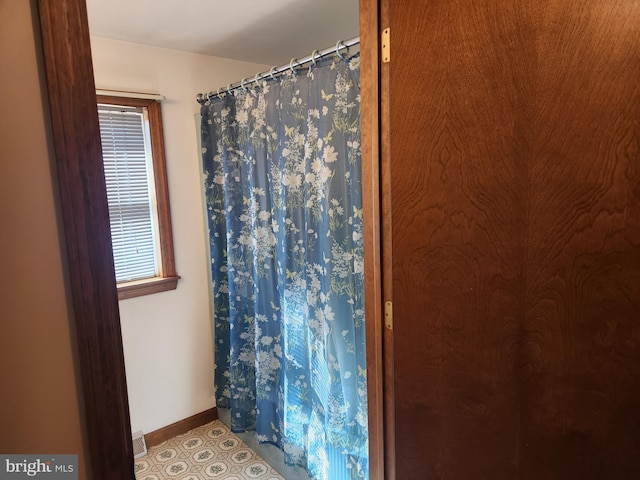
(128, 169)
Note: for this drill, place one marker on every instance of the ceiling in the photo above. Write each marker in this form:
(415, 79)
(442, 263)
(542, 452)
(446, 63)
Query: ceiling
(269, 32)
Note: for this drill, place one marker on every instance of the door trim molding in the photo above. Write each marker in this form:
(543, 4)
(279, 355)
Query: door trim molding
(386, 251)
(75, 136)
(370, 128)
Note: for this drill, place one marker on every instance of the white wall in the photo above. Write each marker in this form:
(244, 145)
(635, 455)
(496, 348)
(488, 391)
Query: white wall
(167, 336)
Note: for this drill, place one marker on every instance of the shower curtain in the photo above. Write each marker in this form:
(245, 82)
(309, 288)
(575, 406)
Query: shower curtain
(282, 180)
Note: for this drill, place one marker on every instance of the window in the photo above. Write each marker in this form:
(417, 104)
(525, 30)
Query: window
(137, 193)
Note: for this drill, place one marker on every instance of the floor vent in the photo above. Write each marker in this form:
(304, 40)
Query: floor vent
(139, 446)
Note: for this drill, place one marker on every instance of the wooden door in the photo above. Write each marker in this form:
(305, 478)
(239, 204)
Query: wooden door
(513, 179)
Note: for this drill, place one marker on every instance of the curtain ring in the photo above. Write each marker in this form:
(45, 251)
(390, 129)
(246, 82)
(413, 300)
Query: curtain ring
(218, 92)
(271, 72)
(256, 79)
(313, 57)
(291, 65)
(338, 49)
(244, 89)
(228, 89)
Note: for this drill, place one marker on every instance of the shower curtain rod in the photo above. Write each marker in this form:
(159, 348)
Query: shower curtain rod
(316, 55)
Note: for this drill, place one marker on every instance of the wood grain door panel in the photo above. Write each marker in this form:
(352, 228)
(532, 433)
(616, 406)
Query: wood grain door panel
(515, 185)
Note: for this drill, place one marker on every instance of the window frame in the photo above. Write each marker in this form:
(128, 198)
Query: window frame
(167, 278)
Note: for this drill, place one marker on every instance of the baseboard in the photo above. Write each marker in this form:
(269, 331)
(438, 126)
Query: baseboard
(182, 426)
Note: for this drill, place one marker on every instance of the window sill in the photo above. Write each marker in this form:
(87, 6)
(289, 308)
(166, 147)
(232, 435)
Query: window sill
(147, 287)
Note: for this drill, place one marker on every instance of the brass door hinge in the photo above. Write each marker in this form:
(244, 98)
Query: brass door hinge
(386, 46)
(388, 315)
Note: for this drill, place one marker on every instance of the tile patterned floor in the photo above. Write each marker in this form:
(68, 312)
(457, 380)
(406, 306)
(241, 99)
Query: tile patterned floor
(205, 453)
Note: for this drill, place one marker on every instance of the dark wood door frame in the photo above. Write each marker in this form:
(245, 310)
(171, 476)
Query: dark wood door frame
(76, 141)
(370, 122)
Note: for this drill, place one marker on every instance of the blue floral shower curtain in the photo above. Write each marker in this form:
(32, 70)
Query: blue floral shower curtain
(282, 180)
